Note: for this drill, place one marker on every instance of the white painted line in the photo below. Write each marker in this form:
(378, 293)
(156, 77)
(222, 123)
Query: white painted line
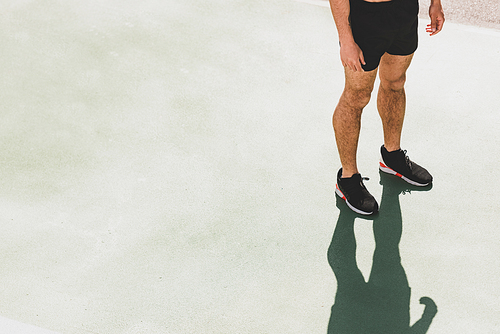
(475, 29)
(9, 326)
(322, 3)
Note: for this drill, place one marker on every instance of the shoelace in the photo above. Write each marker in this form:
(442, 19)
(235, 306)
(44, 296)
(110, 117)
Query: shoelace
(356, 189)
(408, 161)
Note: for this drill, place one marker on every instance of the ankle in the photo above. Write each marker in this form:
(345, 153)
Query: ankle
(348, 173)
(392, 148)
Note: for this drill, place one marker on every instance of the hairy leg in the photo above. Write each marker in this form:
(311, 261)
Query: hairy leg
(347, 116)
(391, 99)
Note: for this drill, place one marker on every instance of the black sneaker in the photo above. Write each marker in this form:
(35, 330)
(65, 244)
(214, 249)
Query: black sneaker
(354, 193)
(397, 163)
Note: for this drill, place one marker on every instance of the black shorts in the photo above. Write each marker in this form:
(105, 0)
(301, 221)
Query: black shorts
(380, 27)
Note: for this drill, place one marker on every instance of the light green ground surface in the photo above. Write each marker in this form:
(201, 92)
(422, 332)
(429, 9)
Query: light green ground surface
(170, 168)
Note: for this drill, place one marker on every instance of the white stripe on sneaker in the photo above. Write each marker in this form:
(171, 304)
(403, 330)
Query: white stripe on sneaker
(384, 168)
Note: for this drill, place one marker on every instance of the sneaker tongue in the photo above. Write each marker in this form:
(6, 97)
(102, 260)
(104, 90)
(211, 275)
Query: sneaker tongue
(356, 177)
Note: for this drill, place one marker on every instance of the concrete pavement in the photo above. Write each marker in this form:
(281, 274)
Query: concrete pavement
(170, 168)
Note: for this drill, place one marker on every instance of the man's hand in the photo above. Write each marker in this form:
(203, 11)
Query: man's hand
(437, 18)
(430, 306)
(352, 56)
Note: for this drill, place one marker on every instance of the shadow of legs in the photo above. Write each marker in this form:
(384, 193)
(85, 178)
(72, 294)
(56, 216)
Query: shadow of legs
(381, 305)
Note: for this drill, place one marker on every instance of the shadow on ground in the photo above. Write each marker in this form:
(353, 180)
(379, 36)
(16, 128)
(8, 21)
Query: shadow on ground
(381, 304)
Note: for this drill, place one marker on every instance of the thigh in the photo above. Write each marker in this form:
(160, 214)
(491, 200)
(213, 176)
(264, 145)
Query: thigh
(360, 81)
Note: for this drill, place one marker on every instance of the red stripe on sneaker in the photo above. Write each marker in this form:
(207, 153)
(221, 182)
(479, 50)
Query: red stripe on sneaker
(337, 186)
(384, 166)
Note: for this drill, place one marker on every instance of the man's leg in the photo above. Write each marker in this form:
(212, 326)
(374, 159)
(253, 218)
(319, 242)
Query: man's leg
(347, 116)
(391, 99)
(391, 102)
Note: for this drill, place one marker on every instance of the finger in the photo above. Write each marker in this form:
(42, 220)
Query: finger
(362, 58)
(431, 29)
(352, 66)
(433, 25)
(358, 67)
(439, 27)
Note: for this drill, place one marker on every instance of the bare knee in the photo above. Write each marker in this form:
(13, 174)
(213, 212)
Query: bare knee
(357, 98)
(393, 84)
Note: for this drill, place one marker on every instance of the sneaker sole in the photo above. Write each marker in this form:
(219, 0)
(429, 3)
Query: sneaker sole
(341, 195)
(383, 167)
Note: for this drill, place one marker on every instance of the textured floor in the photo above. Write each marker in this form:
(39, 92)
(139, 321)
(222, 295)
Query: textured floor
(170, 168)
